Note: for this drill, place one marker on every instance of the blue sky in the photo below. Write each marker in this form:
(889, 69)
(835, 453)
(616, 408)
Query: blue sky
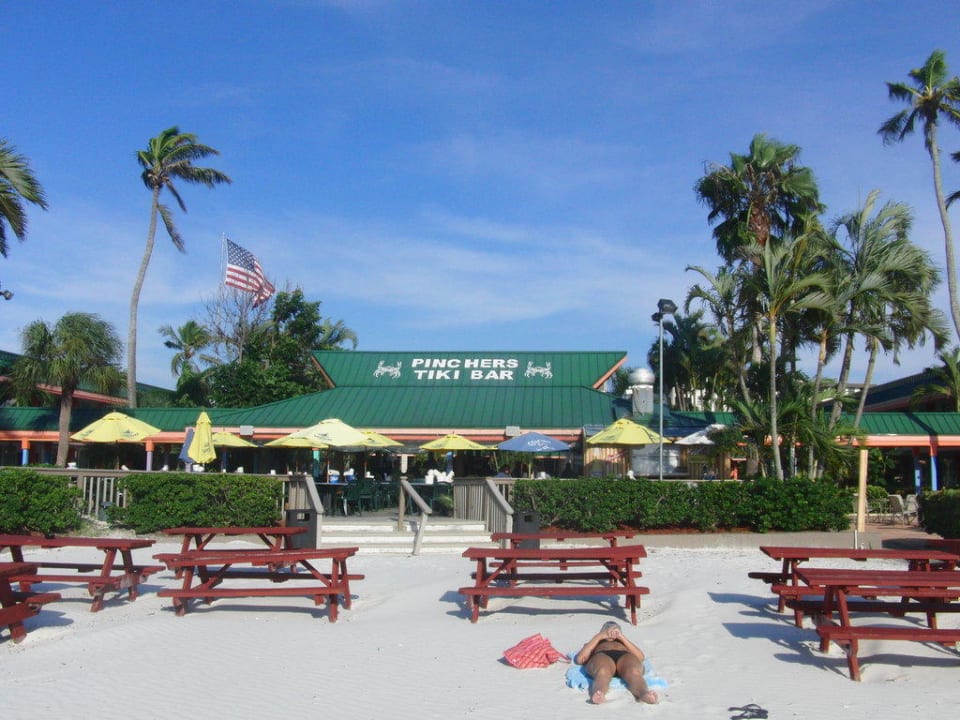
(443, 175)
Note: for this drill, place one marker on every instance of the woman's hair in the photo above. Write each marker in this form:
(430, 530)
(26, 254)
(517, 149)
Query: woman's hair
(609, 625)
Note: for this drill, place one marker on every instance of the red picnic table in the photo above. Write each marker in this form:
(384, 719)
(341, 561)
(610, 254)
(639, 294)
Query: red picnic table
(274, 537)
(204, 572)
(786, 582)
(554, 572)
(912, 591)
(15, 606)
(99, 578)
(522, 539)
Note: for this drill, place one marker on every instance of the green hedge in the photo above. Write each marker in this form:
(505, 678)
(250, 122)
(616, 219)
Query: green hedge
(597, 505)
(940, 512)
(31, 502)
(166, 500)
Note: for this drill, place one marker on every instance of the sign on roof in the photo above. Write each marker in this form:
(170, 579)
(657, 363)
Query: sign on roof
(526, 369)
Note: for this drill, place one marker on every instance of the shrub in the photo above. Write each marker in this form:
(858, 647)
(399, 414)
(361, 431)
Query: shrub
(940, 512)
(165, 500)
(797, 504)
(597, 505)
(31, 502)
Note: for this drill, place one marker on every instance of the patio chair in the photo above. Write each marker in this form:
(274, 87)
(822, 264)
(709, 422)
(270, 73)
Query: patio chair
(898, 509)
(911, 512)
(359, 494)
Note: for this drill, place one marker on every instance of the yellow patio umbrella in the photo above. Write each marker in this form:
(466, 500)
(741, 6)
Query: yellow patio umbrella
(288, 441)
(375, 440)
(624, 433)
(222, 438)
(326, 433)
(201, 448)
(453, 441)
(115, 427)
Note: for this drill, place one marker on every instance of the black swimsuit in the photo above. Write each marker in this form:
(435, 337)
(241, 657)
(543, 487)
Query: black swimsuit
(614, 655)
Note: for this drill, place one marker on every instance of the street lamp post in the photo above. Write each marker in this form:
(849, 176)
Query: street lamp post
(664, 307)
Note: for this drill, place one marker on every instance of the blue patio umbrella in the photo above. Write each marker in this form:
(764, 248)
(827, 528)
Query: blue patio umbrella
(533, 442)
(184, 456)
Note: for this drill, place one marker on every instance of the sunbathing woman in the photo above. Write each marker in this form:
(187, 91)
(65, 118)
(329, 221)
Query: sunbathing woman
(609, 653)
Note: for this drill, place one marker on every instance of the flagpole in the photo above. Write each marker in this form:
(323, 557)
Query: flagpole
(223, 257)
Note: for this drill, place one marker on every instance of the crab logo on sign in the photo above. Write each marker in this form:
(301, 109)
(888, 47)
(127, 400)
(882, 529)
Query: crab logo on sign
(391, 370)
(543, 371)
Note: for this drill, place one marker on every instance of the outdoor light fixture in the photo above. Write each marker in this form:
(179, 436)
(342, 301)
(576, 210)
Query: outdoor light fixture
(664, 307)
(6, 294)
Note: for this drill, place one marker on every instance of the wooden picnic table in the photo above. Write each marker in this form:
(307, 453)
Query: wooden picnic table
(947, 545)
(99, 578)
(552, 572)
(274, 537)
(791, 557)
(204, 572)
(515, 539)
(912, 591)
(16, 606)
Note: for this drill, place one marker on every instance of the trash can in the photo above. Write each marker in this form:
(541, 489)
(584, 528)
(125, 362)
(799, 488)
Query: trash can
(527, 522)
(306, 519)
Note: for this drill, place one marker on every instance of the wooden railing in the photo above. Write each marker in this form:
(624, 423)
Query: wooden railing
(486, 499)
(406, 489)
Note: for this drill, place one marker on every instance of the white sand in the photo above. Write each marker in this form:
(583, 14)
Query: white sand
(407, 651)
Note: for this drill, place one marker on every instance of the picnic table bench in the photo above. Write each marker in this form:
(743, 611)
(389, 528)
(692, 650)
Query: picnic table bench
(912, 592)
(204, 571)
(99, 578)
(787, 586)
(506, 572)
(274, 537)
(523, 539)
(16, 606)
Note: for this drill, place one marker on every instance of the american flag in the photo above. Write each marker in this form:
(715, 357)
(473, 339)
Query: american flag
(244, 273)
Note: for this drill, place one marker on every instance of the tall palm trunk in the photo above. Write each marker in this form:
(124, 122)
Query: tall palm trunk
(951, 263)
(63, 425)
(868, 378)
(842, 380)
(774, 431)
(814, 467)
(135, 302)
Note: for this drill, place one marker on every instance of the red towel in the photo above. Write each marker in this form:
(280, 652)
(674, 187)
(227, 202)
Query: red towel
(533, 652)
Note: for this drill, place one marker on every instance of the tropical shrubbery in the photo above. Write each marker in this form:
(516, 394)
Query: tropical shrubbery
(166, 500)
(597, 505)
(940, 512)
(32, 502)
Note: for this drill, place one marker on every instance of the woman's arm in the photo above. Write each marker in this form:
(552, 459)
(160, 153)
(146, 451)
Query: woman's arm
(631, 648)
(587, 650)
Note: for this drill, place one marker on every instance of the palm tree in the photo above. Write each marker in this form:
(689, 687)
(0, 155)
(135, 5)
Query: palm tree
(189, 340)
(81, 347)
(884, 282)
(168, 157)
(334, 335)
(757, 196)
(17, 185)
(780, 291)
(722, 297)
(946, 379)
(931, 96)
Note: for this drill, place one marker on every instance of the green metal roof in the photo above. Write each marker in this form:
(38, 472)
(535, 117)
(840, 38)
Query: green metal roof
(435, 407)
(167, 419)
(909, 423)
(468, 369)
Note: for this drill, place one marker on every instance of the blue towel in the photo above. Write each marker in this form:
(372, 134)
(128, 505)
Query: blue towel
(578, 679)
